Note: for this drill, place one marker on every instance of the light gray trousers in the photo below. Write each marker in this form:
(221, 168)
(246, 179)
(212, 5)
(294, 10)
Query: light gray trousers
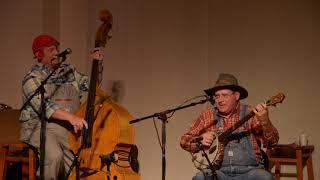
(58, 158)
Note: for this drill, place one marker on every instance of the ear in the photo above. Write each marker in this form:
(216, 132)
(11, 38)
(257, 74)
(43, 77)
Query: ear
(237, 95)
(39, 55)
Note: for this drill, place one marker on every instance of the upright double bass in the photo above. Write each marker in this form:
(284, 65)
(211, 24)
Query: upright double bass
(106, 149)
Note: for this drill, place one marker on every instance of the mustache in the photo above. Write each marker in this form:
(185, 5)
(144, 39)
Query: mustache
(54, 58)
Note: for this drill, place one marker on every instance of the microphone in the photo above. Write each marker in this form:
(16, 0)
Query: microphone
(209, 95)
(65, 52)
(210, 99)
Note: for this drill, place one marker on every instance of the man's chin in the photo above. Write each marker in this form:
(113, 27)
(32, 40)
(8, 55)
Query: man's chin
(223, 111)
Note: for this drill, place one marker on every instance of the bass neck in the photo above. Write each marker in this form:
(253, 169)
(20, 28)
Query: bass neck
(89, 116)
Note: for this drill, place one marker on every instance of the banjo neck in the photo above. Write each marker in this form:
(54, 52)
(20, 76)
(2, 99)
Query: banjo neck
(223, 137)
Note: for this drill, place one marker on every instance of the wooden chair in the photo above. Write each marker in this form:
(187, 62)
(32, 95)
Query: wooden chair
(291, 154)
(13, 152)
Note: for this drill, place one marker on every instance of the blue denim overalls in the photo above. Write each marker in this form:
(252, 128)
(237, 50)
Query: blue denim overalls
(239, 161)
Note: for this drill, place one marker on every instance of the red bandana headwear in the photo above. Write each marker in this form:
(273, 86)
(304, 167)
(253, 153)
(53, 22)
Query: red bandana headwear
(43, 41)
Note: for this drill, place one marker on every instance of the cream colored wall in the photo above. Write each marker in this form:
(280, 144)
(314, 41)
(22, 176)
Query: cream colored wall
(166, 52)
(19, 26)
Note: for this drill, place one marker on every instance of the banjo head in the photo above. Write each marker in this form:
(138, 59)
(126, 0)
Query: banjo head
(214, 153)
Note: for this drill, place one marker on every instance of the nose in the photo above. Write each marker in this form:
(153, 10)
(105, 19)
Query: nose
(219, 98)
(55, 51)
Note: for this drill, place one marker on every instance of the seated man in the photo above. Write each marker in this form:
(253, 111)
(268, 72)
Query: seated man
(242, 156)
(62, 98)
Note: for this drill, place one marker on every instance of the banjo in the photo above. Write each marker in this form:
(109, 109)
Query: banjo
(214, 154)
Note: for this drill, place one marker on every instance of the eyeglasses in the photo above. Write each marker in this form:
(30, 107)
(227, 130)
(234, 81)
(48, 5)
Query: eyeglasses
(223, 96)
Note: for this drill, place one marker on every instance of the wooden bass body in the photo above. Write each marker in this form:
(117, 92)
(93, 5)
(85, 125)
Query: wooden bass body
(111, 132)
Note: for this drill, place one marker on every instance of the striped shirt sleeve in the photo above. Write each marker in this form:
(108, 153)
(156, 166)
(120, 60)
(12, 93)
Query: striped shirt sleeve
(29, 86)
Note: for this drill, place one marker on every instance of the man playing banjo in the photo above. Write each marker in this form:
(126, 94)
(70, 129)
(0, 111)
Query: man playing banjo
(242, 157)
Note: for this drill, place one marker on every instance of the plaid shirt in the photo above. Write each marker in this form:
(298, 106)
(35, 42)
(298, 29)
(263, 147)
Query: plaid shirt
(207, 122)
(33, 79)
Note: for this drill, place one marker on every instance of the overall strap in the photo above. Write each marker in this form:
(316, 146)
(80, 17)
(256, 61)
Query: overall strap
(217, 120)
(244, 109)
(244, 112)
(239, 135)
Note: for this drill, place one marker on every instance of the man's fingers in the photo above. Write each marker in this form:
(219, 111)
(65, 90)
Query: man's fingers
(80, 126)
(264, 105)
(207, 142)
(85, 123)
(75, 129)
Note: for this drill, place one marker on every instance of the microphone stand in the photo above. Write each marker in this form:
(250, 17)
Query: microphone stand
(163, 117)
(42, 116)
(212, 168)
(75, 164)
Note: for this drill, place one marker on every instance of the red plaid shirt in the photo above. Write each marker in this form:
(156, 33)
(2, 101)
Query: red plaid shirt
(206, 122)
